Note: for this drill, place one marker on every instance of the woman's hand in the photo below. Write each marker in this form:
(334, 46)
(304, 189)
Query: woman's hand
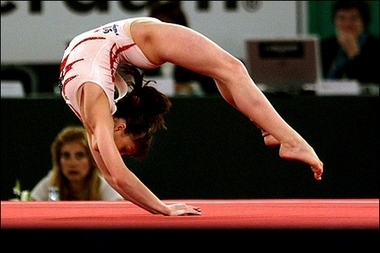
(349, 42)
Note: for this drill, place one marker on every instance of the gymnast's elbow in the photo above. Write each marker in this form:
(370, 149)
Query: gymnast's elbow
(127, 181)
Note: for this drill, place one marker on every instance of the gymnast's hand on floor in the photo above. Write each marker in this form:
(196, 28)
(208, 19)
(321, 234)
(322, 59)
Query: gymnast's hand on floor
(183, 209)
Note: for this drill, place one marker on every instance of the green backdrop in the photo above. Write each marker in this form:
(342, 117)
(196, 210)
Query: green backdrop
(320, 21)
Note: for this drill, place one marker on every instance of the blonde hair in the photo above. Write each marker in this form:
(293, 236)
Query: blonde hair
(92, 180)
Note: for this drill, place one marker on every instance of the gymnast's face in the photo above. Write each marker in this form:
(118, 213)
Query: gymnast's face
(124, 143)
(75, 161)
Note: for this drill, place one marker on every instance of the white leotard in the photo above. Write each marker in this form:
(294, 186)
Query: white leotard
(93, 56)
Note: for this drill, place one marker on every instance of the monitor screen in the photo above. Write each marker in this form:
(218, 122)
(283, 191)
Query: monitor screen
(283, 64)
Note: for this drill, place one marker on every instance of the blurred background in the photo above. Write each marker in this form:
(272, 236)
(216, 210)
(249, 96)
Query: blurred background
(35, 34)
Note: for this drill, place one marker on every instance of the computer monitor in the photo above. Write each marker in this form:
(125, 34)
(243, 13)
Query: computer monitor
(283, 64)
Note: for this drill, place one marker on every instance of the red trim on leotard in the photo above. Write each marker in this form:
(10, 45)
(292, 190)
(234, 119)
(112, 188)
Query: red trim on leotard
(113, 56)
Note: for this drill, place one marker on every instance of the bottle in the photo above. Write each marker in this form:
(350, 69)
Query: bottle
(53, 193)
(25, 195)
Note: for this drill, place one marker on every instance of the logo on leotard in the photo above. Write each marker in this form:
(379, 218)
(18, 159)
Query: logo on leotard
(109, 29)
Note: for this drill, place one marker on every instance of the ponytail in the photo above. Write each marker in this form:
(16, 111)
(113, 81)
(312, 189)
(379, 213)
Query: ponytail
(143, 108)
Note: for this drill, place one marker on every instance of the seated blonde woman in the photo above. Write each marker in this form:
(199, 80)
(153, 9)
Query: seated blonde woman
(74, 170)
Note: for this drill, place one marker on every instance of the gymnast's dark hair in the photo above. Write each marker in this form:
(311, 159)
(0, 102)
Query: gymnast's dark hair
(143, 109)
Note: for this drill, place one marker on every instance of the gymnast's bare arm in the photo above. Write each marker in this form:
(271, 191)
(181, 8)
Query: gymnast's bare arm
(99, 124)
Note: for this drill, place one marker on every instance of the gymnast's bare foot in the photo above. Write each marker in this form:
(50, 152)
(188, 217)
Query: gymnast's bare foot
(269, 140)
(303, 152)
(299, 150)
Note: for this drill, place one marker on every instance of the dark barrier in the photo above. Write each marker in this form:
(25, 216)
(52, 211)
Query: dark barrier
(212, 151)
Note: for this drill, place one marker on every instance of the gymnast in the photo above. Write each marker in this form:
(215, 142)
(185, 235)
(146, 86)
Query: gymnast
(101, 80)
